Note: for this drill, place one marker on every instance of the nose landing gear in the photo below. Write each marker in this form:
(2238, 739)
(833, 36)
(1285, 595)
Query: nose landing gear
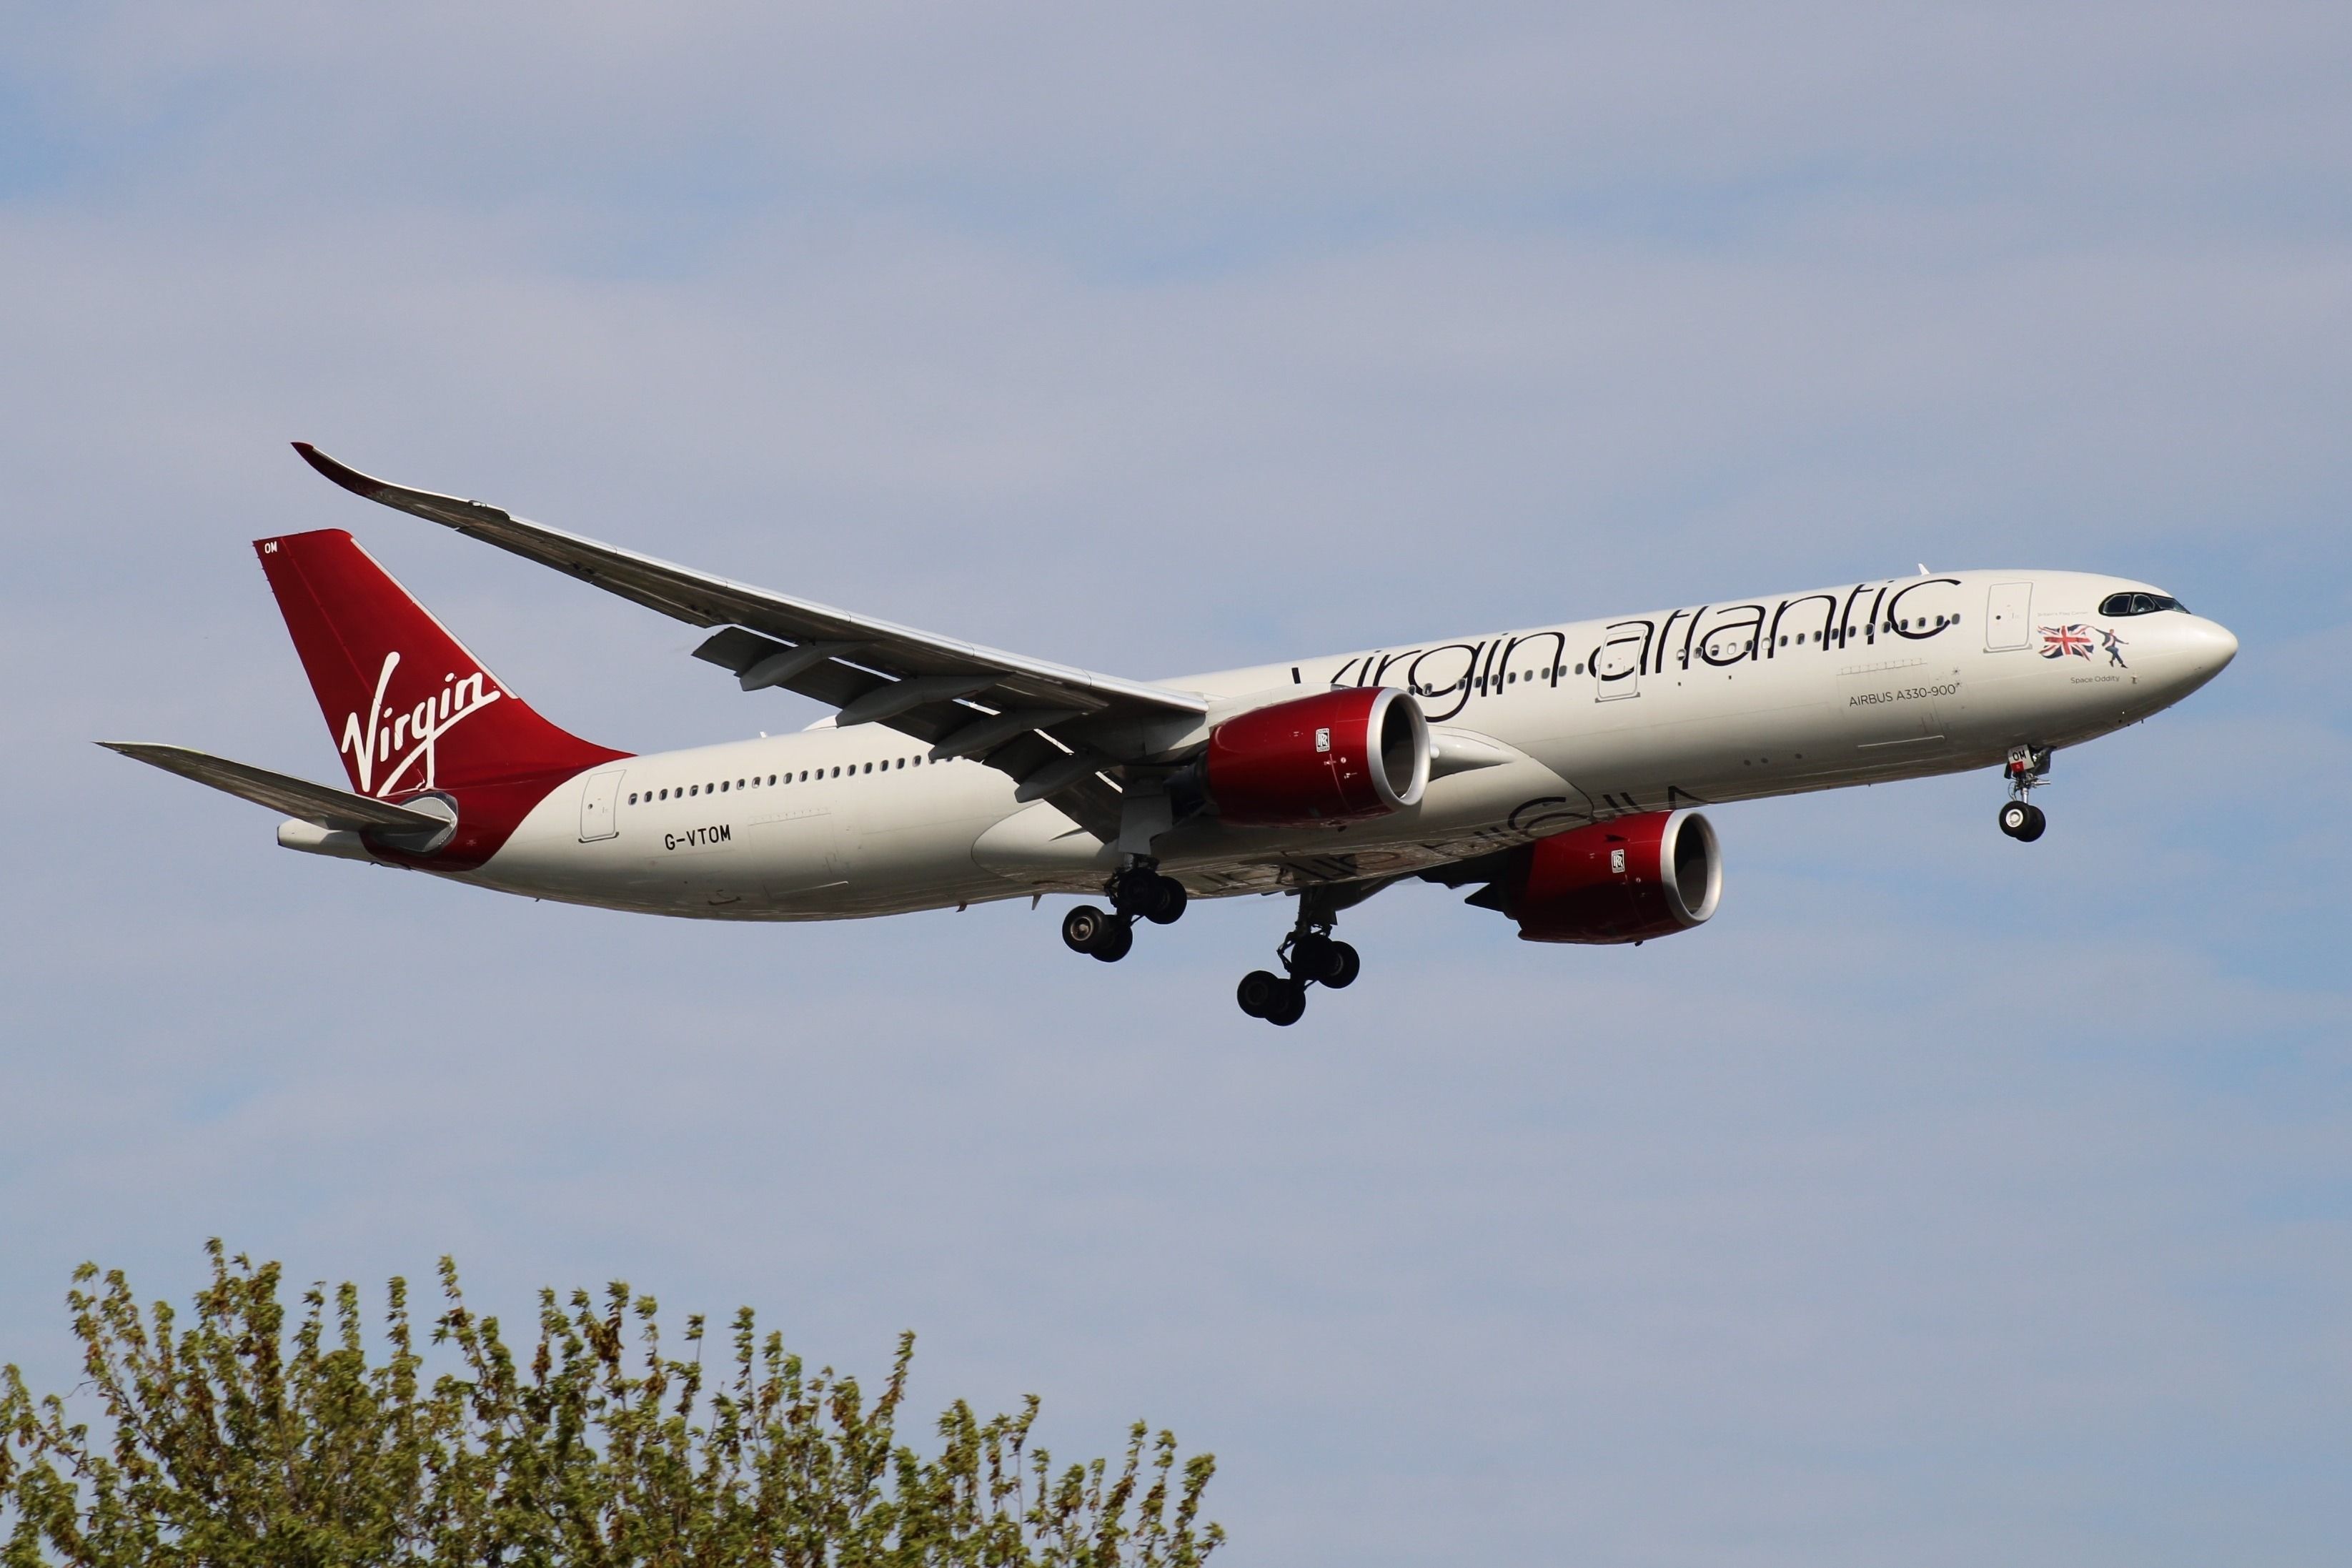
(1310, 955)
(2027, 767)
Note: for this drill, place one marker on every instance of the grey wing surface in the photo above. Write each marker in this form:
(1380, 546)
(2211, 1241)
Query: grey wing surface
(1030, 718)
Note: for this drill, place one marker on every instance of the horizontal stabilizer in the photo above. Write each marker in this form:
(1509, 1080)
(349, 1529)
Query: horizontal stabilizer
(314, 803)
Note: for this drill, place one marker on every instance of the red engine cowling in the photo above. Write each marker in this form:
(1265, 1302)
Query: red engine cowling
(1338, 756)
(1627, 879)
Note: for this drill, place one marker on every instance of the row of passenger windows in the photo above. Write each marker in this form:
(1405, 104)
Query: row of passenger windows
(1559, 671)
(774, 781)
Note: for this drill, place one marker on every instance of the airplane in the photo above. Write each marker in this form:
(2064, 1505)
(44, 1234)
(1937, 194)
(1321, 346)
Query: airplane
(1560, 770)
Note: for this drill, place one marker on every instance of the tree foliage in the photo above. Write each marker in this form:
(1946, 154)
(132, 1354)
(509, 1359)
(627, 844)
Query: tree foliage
(235, 1441)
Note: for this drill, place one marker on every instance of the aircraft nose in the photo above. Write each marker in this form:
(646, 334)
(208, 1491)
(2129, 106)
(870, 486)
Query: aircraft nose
(2212, 647)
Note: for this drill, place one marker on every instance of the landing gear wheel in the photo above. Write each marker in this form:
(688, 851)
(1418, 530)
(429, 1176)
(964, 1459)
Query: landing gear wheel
(1118, 937)
(1312, 956)
(1326, 961)
(1082, 926)
(2023, 821)
(1257, 992)
(1141, 893)
(1171, 904)
(1288, 1006)
(1090, 930)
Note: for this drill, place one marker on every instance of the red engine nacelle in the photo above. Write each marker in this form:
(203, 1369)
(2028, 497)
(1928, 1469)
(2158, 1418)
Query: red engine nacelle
(1627, 879)
(1338, 756)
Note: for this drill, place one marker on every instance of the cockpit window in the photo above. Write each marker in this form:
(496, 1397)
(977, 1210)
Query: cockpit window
(2139, 604)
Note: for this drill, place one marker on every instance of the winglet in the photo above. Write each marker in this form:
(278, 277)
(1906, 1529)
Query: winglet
(349, 478)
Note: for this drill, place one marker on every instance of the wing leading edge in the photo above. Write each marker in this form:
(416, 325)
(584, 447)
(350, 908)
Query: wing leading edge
(1028, 717)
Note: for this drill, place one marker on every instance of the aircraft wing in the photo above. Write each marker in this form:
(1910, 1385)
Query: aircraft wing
(314, 803)
(965, 698)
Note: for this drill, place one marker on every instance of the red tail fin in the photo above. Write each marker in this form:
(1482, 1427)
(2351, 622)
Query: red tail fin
(409, 707)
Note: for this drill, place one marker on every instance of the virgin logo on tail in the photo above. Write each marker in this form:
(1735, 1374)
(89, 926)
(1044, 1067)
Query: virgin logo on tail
(387, 731)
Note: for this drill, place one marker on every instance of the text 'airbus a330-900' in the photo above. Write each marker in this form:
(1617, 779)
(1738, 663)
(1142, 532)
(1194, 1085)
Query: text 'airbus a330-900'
(1556, 769)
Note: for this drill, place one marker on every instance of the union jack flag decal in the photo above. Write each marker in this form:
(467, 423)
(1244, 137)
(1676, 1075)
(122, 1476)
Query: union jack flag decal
(2057, 642)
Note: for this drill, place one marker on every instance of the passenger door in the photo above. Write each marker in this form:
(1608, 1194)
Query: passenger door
(1617, 665)
(598, 798)
(2009, 616)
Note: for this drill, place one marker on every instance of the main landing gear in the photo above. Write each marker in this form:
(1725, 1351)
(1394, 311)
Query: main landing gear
(1138, 892)
(2027, 767)
(1310, 955)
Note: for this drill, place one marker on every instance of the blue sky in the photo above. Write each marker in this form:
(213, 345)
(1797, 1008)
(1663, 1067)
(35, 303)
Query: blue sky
(1943, 1201)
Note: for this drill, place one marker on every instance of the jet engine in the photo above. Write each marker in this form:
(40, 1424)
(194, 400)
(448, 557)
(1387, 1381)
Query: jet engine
(1338, 756)
(1626, 880)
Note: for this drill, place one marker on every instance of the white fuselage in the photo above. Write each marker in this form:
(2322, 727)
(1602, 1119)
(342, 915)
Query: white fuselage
(1535, 731)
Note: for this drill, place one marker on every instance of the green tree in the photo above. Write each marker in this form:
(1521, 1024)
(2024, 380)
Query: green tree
(248, 1437)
